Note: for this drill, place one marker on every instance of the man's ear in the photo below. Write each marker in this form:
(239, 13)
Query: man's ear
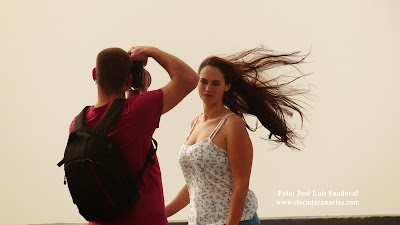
(128, 81)
(94, 74)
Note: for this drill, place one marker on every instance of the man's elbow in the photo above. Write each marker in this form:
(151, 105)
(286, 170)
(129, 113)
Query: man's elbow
(192, 81)
(195, 80)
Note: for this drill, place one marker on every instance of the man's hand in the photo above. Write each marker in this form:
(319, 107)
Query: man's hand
(140, 53)
(183, 78)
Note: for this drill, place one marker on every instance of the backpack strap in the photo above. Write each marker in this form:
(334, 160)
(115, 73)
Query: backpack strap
(79, 122)
(80, 119)
(105, 123)
(111, 114)
(149, 157)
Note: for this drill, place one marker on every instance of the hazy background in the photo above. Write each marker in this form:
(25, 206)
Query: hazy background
(48, 49)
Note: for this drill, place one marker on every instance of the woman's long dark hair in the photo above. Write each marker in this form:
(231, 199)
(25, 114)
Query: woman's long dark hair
(252, 92)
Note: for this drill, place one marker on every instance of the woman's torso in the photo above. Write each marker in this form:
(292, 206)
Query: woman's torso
(205, 165)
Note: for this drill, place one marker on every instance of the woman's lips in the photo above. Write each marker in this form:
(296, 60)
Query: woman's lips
(207, 95)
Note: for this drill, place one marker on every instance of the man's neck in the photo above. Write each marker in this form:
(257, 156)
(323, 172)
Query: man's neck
(103, 98)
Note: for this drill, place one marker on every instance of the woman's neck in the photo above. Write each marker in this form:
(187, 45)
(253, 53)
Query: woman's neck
(213, 111)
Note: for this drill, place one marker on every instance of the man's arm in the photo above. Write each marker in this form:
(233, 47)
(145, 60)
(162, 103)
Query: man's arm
(183, 78)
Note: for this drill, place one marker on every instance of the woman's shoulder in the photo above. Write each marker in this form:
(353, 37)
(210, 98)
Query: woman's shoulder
(235, 129)
(194, 119)
(233, 120)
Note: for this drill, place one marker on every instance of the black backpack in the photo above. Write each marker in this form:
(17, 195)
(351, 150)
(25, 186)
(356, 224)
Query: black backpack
(100, 183)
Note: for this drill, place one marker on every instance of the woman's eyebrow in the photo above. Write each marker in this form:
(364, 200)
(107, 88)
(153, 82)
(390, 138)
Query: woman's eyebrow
(219, 81)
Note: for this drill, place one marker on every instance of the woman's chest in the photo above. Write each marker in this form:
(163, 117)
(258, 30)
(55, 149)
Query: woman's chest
(204, 131)
(202, 155)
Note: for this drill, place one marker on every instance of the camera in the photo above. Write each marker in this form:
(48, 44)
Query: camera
(137, 72)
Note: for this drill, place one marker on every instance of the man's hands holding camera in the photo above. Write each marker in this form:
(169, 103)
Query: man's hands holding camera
(141, 53)
(141, 78)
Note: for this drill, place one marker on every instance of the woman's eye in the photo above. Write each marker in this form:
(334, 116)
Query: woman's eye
(215, 83)
(203, 81)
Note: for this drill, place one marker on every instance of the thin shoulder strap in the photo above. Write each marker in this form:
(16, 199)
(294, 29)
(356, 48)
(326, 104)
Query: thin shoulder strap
(194, 124)
(215, 131)
(111, 114)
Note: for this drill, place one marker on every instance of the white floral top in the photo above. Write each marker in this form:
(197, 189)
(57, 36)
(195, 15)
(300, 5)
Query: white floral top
(208, 177)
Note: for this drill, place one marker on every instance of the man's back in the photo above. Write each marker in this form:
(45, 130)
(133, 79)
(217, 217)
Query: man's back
(140, 116)
(132, 132)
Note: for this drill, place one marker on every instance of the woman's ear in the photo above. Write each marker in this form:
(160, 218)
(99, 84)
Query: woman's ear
(227, 87)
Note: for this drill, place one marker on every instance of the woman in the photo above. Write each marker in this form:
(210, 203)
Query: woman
(217, 156)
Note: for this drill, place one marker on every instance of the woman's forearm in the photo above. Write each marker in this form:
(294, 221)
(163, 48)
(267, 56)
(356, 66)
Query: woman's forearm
(180, 201)
(238, 202)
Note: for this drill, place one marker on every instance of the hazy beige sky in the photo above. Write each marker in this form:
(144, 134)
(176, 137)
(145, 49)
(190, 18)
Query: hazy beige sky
(48, 49)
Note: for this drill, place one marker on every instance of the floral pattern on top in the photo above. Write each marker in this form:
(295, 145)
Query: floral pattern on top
(208, 176)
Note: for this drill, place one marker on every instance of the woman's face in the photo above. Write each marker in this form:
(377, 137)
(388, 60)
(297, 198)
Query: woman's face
(212, 85)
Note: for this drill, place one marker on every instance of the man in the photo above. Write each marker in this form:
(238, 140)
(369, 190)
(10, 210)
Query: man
(134, 128)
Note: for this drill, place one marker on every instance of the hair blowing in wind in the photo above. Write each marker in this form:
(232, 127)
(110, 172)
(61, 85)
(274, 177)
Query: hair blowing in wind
(254, 91)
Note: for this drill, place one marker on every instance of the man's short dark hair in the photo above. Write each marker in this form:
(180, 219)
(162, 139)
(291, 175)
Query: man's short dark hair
(112, 68)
